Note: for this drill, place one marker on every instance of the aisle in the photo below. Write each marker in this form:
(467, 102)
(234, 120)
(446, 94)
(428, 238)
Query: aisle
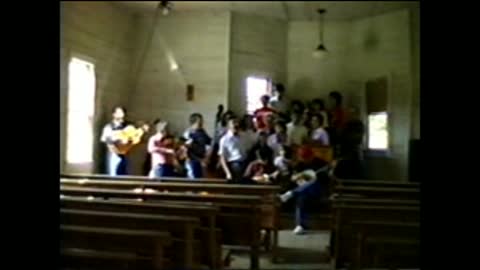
(307, 251)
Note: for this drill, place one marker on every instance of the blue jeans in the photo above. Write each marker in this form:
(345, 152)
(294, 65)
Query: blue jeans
(302, 194)
(194, 169)
(163, 170)
(237, 169)
(116, 164)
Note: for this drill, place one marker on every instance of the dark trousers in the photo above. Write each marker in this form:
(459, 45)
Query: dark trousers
(237, 169)
(303, 194)
(194, 169)
(164, 170)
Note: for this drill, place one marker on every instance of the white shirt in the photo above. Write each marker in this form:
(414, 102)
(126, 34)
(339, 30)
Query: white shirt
(279, 105)
(320, 135)
(232, 147)
(296, 134)
(281, 164)
(274, 143)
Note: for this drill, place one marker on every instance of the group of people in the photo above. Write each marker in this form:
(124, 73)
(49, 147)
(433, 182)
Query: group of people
(267, 147)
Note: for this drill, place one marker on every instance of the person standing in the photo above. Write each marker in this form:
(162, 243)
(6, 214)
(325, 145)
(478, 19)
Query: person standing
(117, 163)
(338, 116)
(318, 107)
(318, 135)
(279, 102)
(262, 115)
(232, 152)
(161, 147)
(279, 138)
(297, 133)
(198, 143)
(248, 128)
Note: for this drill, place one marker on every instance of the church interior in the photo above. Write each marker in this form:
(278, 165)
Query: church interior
(239, 135)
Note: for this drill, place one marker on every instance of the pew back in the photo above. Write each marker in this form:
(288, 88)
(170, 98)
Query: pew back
(107, 248)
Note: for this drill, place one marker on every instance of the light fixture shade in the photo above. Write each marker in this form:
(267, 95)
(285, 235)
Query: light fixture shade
(320, 52)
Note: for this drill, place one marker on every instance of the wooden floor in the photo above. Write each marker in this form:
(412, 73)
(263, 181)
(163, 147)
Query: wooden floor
(308, 251)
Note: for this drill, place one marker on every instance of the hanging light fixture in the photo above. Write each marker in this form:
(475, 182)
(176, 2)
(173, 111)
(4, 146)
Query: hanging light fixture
(320, 51)
(165, 6)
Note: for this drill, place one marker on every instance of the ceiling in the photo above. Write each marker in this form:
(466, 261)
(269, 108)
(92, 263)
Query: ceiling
(290, 10)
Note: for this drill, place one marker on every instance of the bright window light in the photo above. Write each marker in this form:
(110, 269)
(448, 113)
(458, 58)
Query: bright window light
(378, 131)
(256, 88)
(81, 106)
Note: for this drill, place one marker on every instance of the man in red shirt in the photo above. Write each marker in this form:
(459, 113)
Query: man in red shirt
(339, 115)
(261, 115)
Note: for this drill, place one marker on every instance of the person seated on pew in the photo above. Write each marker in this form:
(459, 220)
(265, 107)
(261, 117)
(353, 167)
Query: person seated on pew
(297, 133)
(161, 147)
(309, 182)
(318, 107)
(296, 106)
(283, 167)
(259, 171)
(232, 152)
(198, 144)
(256, 173)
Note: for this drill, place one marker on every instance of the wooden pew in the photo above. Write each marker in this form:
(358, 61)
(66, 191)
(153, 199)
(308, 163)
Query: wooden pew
(238, 218)
(375, 202)
(346, 214)
(270, 206)
(205, 213)
(107, 248)
(375, 183)
(182, 252)
(144, 178)
(382, 236)
(377, 192)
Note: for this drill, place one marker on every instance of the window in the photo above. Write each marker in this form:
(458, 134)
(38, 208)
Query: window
(81, 105)
(256, 88)
(378, 131)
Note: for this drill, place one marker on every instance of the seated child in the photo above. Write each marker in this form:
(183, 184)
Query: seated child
(283, 166)
(256, 173)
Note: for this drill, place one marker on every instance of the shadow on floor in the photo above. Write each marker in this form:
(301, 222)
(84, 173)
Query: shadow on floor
(289, 255)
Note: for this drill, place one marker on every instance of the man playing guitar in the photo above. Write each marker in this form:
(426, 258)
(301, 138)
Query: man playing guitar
(120, 136)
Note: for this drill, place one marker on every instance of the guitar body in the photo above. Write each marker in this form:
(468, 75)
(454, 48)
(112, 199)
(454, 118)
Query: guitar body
(127, 138)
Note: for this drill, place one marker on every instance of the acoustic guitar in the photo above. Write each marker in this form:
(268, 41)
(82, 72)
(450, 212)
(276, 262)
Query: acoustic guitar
(126, 138)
